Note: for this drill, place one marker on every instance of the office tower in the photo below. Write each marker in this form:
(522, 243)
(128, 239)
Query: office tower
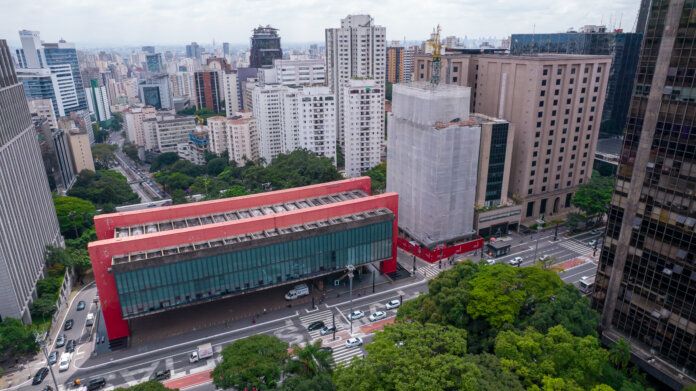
(433, 161)
(265, 47)
(356, 50)
(148, 49)
(61, 60)
(363, 108)
(79, 141)
(395, 64)
(156, 92)
(237, 135)
(225, 49)
(28, 222)
(595, 40)
(555, 103)
(230, 93)
(133, 123)
(409, 54)
(98, 101)
(208, 90)
(289, 118)
(194, 51)
(41, 84)
(56, 154)
(154, 63)
(646, 279)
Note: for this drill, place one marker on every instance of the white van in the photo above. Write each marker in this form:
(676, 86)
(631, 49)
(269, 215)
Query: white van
(90, 319)
(297, 292)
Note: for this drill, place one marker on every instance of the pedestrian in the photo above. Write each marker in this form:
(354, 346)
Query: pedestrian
(264, 311)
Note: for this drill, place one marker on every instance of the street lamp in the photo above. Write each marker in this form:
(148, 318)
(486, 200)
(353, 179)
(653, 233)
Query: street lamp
(536, 248)
(414, 265)
(42, 345)
(555, 234)
(351, 268)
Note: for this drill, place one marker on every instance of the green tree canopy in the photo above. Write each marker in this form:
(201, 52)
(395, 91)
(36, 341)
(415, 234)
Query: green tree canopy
(568, 308)
(103, 155)
(255, 361)
(378, 175)
(593, 197)
(105, 187)
(215, 166)
(74, 215)
(163, 160)
(16, 339)
(150, 385)
(131, 150)
(310, 361)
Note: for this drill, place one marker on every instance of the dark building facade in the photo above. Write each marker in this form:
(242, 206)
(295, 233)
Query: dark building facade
(148, 49)
(646, 278)
(194, 51)
(265, 47)
(208, 90)
(624, 49)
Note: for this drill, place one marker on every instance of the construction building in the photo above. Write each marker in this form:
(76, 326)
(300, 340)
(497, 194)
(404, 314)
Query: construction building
(151, 261)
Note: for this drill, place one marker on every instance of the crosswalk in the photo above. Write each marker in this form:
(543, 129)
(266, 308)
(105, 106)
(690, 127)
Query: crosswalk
(325, 316)
(576, 246)
(430, 271)
(343, 354)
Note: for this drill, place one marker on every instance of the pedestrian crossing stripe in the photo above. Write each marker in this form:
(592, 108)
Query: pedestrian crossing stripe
(343, 354)
(576, 246)
(324, 316)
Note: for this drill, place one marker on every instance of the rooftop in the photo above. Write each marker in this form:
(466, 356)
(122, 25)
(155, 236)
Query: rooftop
(236, 215)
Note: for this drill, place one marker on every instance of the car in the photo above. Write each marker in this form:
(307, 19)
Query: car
(81, 305)
(327, 330)
(316, 326)
(592, 243)
(47, 388)
(162, 375)
(354, 342)
(355, 315)
(516, 261)
(597, 231)
(96, 384)
(490, 261)
(96, 299)
(375, 316)
(391, 304)
(326, 349)
(60, 341)
(40, 376)
(53, 358)
(544, 258)
(68, 324)
(64, 363)
(70, 346)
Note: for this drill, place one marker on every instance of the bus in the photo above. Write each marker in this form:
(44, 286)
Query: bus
(586, 284)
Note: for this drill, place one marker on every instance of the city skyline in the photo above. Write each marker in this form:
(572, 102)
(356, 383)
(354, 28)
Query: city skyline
(208, 21)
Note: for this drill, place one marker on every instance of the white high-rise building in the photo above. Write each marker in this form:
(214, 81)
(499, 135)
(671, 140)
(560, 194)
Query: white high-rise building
(294, 117)
(133, 124)
(98, 103)
(300, 72)
(357, 52)
(229, 91)
(364, 121)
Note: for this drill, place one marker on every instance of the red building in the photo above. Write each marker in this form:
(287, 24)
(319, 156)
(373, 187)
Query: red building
(208, 90)
(154, 260)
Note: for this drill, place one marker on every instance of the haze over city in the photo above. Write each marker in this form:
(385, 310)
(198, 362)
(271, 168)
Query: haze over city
(167, 22)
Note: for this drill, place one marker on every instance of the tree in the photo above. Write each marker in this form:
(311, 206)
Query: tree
(255, 361)
(593, 197)
(116, 122)
(216, 166)
(74, 215)
(378, 176)
(150, 385)
(620, 354)
(568, 308)
(317, 383)
(103, 155)
(163, 160)
(76, 258)
(103, 188)
(575, 221)
(16, 339)
(235, 191)
(310, 361)
(131, 151)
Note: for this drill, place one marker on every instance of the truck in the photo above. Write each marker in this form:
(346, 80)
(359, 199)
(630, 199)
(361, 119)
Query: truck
(202, 352)
(297, 292)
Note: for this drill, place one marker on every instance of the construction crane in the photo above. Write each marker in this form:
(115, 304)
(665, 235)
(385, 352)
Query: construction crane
(437, 47)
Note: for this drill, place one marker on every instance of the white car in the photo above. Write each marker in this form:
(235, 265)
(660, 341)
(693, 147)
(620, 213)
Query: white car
(355, 315)
(490, 261)
(592, 243)
(375, 316)
(516, 261)
(391, 304)
(354, 342)
(64, 364)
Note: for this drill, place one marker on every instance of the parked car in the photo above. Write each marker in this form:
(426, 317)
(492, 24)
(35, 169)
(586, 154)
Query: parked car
(516, 261)
(68, 324)
(355, 315)
(162, 375)
(326, 349)
(490, 261)
(96, 384)
(53, 358)
(64, 363)
(70, 346)
(597, 231)
(375, 316)
(81, 305)
(391, 304)
(592, 243)
(60, 341)
(40, 376)
(89, 321)
(315, 325)
(354, 342)
(327, 330)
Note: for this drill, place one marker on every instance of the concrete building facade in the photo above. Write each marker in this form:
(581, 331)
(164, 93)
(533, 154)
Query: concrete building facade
(208, 90)
(238, 136)
(395, 64)
(133, 123)
(173, 130)
(363, 110)
(98, 101)
(156, 92)
(28, 220)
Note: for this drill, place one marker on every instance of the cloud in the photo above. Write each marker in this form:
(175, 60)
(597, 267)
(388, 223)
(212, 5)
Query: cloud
(118, 22)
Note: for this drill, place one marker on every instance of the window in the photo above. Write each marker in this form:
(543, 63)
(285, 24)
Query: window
(559, 71)
(570, 91)
(553, 122)
(568, 101)
(599, 69)
(531, 182)
(582, 99)
(543, 92)
(543, 188)
(538, 124)
(537, 134)
(532, 173)
(568, 183)
(557, 92)
(535, 155)
(572, 81)
(555, 102)
(534, 161)
(546, 72)
(551, 132)
(543, 82)
(583, 90)
(558, 82)
(422, 66)
(568, 198)
(542, 206)
(536, 144)
(572, 71)
(553, 112)
(529, 191)
(455, 69)
(530, 208)
(597, 79)
(541, 103)
(454, 79)
(540, 114)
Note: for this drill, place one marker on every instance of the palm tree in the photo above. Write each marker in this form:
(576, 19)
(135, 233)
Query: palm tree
(310, 361)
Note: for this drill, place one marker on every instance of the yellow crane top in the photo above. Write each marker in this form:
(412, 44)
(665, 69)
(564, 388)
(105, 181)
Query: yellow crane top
(435, 42)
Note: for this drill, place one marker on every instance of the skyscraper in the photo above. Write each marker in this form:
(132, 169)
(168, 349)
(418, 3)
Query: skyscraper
(154, 62)
(646, 278)
(194, 51)
(98, 101)
(28, 220)
(265, 47)
(208, 90)
(395, 64)
(357, 50)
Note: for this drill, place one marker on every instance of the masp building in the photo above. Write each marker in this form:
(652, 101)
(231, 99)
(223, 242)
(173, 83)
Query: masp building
(154, 260)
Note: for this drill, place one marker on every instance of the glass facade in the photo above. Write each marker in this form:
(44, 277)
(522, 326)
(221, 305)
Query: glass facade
(152, 97)
(496, 164)
(646, 279)
(40, 87)
(55, 56)
(206, 278)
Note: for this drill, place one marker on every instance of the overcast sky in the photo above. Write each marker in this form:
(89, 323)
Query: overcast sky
(127, 22)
